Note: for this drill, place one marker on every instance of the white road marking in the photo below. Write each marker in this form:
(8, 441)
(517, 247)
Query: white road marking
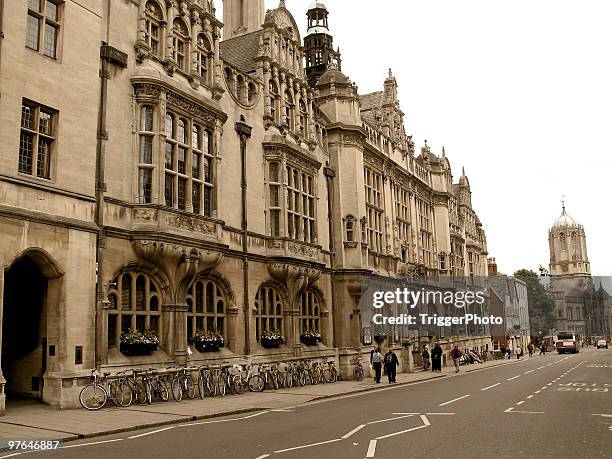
(216, 421)
(514, 377)
(262, 456)
(400, 432)
(521, 402)
(251, 416)
(355, 430)
(543, 387)
(307, 446)
(440, 414)
(407, 413)
(371, 448)
(389, 419)
(527, 372)
(525, 412)
(453, 400)
(489, 387)
(425, 420)
(151, 433)
(604, 415)
(549, 384)
(539, 368)
(530, 396)
(538, 391)
(509, 410)
(94, 443)
(10, 455)
(281, 410)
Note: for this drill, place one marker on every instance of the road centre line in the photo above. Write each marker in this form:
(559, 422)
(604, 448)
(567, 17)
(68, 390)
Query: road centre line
(489, 387)
(307, 446)
(262, 456)
(453, 400)
(537, 391)
(10, 455)
(514, 377)
(604, 415)
(355, 430)
(390, 419)
(401, 432)
(521, 402)
(150, 433)
(527, 372)
(530, 396)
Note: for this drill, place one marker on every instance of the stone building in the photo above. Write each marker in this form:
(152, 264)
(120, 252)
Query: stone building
(583, 306)
(156, 177)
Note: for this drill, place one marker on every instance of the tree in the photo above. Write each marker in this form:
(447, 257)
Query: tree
(542, 309)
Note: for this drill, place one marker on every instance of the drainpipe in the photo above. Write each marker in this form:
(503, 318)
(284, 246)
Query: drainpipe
(1, 29)
(330, 174)
(244, 131)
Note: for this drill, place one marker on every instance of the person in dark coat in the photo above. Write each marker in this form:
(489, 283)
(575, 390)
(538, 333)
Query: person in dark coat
(436, 358)
(391, 364)
(377, 359)
(425, 355)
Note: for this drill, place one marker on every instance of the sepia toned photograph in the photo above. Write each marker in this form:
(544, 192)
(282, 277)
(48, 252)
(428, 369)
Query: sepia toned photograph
(305, 229)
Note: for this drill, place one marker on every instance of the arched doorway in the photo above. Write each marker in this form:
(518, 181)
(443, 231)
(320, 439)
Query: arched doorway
(24, 329)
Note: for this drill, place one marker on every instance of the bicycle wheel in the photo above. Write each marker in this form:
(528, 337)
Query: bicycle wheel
(221, 384)
(124, 393)
(162, 390)
(302, 378)
(190, 387)
(140, 392)
(256, 383)
(177, 389)
(330, 375)
(148, 392)
(274, 380)
(358, 374)
(316, 375)
(290, 376)
(93, 397)
(237, 384)
(112, 392)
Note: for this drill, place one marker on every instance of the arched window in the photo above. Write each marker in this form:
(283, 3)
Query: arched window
(240, 88)
(145, 159)
(303, 117)
(310, 312)
(563, 241)
(134, 305)
(350, 228)
(574, 242)
(206, 301)
(180, 36)
(203, 59)
(251, 92)
(273, 90)
(269, 306)
(153, 20)
(288, 110)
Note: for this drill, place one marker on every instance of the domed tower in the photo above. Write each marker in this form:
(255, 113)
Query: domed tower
(318, 44)
(568, 250)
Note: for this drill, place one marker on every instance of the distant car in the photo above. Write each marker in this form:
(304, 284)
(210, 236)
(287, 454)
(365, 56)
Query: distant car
(602, 343)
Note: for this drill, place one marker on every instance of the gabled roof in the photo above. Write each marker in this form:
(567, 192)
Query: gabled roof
(372, 100)
(242, 51)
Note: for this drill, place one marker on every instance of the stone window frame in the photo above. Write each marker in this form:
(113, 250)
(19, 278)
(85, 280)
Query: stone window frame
(146, 165)
(41, 14)
(181, 44)
(373, 182)
(274, 96)
(143, 303)
(310, 311)
(300, 204)
(204, 180)
(153, 23)
(275, 197)
(201, 317)
(34, 161)
(204, 57)
(266, 319)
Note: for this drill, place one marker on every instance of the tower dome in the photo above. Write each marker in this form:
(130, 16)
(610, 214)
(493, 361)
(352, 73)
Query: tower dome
(565, 221)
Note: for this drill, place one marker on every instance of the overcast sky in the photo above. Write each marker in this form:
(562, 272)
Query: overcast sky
(518, 91)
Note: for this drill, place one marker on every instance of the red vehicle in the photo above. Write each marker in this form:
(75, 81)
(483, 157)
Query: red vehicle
(567, 341)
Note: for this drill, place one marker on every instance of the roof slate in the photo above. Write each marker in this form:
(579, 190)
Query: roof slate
(242, 51)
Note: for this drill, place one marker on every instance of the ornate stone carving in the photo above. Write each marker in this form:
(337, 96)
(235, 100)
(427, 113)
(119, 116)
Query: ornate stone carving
(294, 278)
(145, 215)
(146, 89)
(191, 107)
(190, 224)
(300, 249)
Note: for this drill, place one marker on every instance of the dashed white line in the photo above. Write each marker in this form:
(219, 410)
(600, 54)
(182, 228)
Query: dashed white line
(308, 446)
(538, 391)
(521, 402)
(530, 396)
(262, 456)
(489, 387)
(401, 432)
(514, 377)
(371, 448)
(453, 400)
(527, 372)
(355, 430)
(390, 419)
(10, 455)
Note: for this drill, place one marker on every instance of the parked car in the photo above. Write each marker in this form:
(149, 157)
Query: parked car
(602, 343)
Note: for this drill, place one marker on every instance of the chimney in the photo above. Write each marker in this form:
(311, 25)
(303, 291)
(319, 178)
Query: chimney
(492, 266)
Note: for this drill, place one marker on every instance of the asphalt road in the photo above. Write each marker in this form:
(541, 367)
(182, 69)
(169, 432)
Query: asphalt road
(552, 406)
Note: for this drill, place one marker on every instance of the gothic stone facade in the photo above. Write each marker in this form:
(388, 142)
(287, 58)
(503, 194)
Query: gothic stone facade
(171, 181)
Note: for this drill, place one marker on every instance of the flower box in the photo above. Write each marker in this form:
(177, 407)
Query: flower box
(309, 340)
(133, 349)
(271, 342)
(206, 346)
(207, 341)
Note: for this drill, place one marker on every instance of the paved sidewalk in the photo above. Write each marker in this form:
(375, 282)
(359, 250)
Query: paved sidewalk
(44, 422)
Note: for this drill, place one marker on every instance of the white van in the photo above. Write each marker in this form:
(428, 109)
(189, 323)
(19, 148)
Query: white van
(567, 341)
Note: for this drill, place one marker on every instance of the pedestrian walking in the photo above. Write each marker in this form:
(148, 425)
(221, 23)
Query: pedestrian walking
(377, 359)
(425, 355)
(530, 349)
(456, 355)
(543, 349)
(391, 364)
(436, 358)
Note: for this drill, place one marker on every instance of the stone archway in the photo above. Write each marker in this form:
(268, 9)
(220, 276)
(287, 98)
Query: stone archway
(24, 322)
